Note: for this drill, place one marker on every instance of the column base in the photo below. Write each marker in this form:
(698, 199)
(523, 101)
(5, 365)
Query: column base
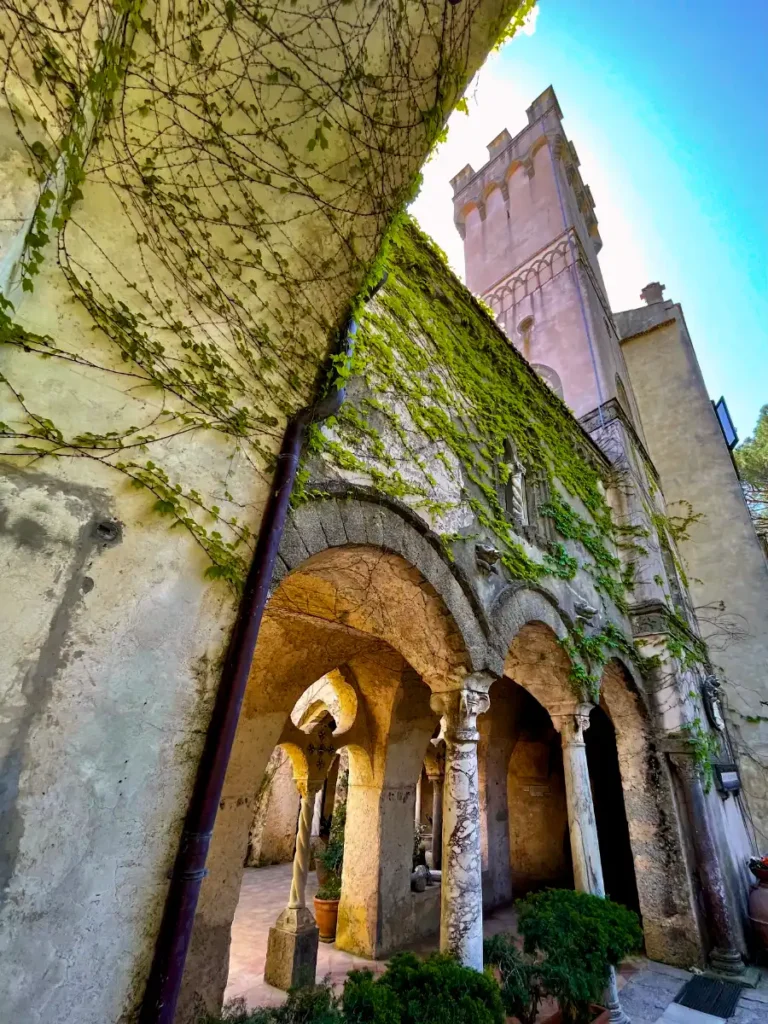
(749, 977)
(292, 950)
(728, 962)
(616, 1014)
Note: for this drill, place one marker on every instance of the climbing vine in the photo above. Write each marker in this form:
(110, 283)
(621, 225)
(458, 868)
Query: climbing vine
(441, 395)
(177, 158)
(590, 652)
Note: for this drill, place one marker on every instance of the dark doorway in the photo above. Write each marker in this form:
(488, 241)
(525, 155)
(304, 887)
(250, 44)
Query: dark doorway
(612, 828)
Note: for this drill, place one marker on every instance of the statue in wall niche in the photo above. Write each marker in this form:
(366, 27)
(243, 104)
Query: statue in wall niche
(515, 497)
(710, 691)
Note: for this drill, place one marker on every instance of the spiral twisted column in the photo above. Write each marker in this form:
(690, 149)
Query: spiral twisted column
(297, 899)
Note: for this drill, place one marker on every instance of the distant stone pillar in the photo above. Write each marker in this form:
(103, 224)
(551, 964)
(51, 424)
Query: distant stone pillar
(317, 816)
(417, 804)
(571, 722)
(292, 945)
(437, 820)
(342, 780)
(725, 958)
(461, 897)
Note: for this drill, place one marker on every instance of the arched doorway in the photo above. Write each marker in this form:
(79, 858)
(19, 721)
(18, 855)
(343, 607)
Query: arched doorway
(370, 614)
(610, 814)
(539, 845)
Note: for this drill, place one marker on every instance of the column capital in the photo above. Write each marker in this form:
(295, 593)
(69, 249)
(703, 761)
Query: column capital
(571, 720)
(459, 709)
(308, 788)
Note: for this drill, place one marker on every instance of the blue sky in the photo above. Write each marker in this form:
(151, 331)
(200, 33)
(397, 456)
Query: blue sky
(667, 105)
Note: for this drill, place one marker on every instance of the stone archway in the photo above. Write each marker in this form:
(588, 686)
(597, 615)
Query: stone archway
(402, 626)
(667, 906)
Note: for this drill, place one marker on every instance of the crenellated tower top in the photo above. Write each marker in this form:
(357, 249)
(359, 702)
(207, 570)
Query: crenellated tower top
(531, 241)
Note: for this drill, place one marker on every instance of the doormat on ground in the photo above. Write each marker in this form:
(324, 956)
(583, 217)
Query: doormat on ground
(717, 998)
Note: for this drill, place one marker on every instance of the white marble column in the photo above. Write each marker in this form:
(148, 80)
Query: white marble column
(461, 898)
(571, 722)
(317, 815)
(417, 803)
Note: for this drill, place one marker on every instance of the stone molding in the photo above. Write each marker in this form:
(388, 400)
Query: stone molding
(652, 618)
(355, 517)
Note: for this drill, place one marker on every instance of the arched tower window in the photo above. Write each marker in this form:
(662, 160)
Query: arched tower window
(549, 377)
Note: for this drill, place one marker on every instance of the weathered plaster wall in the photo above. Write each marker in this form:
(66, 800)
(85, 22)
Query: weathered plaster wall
(273, 833)
(723, 556)
(112, 650)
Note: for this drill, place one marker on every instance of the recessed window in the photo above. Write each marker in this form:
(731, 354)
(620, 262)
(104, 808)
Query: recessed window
(549, 377)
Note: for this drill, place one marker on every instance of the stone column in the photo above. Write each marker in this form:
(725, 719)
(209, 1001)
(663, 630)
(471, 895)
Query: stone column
(317, 815)
(437, 820)
(571, 722)
(725, 957)
(417, 803)
(292, 945)
(461, 897)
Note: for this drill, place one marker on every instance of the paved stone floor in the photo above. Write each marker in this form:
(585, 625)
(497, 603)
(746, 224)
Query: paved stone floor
(647, 989)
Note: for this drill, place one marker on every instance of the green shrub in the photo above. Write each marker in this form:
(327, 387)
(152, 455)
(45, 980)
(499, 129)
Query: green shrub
(576, 937)
(316, 1005)
(520, 977)
(330, 889)
(434, 991)
(332, 857)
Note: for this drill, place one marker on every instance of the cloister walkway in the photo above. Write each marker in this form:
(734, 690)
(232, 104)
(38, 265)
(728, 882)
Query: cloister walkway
(647, 989)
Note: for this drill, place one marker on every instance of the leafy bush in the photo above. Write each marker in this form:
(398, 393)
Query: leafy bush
(330, 889)
(332, 857)
(576, 937)
(520, 977)
(413, 991)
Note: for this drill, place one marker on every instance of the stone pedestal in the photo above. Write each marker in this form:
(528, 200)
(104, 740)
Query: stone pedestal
(461, 910)
(292, 950)
(292, 945)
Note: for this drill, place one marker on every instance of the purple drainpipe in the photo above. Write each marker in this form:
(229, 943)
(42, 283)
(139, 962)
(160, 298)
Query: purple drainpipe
(164, 984)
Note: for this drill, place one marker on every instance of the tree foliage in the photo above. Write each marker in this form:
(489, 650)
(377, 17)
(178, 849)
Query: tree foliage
(752, 460)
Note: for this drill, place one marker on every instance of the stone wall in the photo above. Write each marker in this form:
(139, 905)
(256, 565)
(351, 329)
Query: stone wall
(728, 574)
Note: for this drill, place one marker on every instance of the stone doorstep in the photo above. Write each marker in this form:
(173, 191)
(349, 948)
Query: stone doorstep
(677, 1014)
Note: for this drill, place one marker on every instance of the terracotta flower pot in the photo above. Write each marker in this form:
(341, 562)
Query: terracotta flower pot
(600, 1016)
(326, 915)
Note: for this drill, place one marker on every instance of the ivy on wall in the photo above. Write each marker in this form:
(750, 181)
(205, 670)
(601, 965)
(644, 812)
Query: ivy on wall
(208, 131)
(444, 386)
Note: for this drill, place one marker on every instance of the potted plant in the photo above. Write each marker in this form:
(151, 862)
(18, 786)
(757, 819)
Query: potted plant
(575, 938)
(519, 976)
(329, 864)
(758, 900)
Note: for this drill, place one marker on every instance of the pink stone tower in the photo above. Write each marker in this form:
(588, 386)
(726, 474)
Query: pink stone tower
(530, 245)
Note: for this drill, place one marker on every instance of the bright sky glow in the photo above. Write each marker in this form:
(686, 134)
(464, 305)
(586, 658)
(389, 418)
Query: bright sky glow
(666, 104)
